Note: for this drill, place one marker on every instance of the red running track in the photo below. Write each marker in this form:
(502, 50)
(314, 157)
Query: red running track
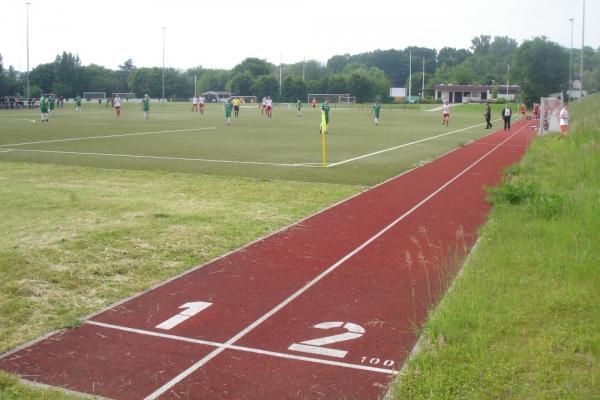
(328, 308)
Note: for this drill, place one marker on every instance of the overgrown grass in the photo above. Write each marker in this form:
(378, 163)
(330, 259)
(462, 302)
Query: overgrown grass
(523, 320)
(77, 239)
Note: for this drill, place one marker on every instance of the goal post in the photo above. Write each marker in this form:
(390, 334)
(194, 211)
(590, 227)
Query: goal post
(550, 113)
(125, 96)
(94, 95)
(334, 98)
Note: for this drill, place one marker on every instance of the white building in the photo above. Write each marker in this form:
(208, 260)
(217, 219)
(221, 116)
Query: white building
(474, 93)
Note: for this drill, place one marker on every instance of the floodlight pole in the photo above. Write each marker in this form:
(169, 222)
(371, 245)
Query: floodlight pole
(409, 74)
(28, 93)
(303, 68)
(571, 58)
(582, 45)
(507, 72)
(423, 84)
(163, 65)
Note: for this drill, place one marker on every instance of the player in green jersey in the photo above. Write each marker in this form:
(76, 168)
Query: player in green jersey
(146, 106)
(375, 111)
(324, 116)
(51, 101)
(299, 107)
(44, 108)
(228, 108)
(77, 103)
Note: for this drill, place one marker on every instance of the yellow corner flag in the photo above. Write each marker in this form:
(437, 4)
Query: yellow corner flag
(323, 135)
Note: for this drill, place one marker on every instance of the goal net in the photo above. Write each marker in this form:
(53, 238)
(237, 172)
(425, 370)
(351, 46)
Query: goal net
(125, 96)
(94, 95)
(550, 113)
(335, 98)
(247, 99)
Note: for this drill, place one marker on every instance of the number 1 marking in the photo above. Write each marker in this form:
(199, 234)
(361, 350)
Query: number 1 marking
(191, 309)
(315, 346)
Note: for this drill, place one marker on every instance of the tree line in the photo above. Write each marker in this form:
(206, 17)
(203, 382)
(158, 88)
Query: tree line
(538, 65)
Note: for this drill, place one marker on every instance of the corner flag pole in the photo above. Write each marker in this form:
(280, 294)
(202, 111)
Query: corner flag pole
(323, 135)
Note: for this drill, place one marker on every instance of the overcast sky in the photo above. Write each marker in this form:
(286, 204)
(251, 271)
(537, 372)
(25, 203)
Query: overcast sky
(221, 33)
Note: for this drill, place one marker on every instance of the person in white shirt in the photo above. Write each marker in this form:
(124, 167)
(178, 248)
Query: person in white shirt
(117, 104)
(264, 105)
(194, 104)
(506, 114)
(201, 101)
(564, 120)
(445, 113)
(269, 107)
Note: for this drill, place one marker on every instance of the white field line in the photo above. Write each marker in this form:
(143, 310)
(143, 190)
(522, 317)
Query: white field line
(400, 146)
(315, 280)
(242, 348)
(307, 165)
(20, 120)
(105, 136)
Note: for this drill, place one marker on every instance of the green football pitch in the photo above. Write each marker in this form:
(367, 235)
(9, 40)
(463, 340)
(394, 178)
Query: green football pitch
(287, 146)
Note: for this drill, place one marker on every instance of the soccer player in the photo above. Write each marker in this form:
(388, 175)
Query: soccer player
(445, 113)
(44, 108)
(77, 103)
(269, 107)
(564, 120)
(298, 107)
(117, 104)
(201, 101)
(314, 103)
(324, 116)
(146, 106)
(264, 105)
(228, 107)
(522, 110)
(51, 101)
(375, 111)
(236, 106)
(194, 104)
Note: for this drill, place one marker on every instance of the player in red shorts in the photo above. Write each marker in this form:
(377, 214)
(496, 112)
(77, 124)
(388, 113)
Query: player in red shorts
(522, 110)
(314, 103)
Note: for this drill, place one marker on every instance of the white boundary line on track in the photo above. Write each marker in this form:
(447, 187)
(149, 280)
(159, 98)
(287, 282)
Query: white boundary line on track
(243, 348)
(315, 280)
(308, 165)
(106, 136)
(400, 146)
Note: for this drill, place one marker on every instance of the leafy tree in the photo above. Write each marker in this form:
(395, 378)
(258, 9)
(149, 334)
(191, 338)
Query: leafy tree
(213, 79)
(241, 83)
(481, 44)
(67, 68)
(2, 78)
(266, 85)
(293, 89)
(123, 73)
(532, 71)
(254, 66)
(451, 57)
(337, 63)
(43, 77)
(338, 83)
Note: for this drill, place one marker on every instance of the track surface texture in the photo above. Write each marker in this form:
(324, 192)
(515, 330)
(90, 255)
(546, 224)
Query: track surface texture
(328, 308)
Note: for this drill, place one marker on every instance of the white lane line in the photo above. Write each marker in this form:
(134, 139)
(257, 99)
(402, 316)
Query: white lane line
(106, 136)
(208, 160)
(315, 280)
(400, 146)
(242, 348)
(5, 150)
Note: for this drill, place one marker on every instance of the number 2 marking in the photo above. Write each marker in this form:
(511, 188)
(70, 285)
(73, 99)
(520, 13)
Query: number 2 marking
(316, 346)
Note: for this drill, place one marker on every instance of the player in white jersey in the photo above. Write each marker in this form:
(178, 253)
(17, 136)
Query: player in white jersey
(445, 113)
(117, 104)
(194, 104)
(201, 101)
(269, 107)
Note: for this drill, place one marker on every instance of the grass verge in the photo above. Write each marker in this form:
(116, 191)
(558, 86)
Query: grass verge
(77, 239)
(522, 320)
